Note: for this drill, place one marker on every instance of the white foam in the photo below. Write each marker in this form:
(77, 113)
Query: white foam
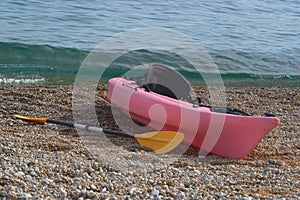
(21, 80)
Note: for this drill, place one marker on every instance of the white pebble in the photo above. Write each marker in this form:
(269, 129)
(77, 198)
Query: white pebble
(132, 190)
(93, 187)
(19, 174)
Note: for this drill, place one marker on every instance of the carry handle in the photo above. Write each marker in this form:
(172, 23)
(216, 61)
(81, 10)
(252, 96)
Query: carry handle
(130, 86)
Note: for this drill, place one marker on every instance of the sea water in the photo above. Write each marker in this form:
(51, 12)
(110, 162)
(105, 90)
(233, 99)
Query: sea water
(251, 42)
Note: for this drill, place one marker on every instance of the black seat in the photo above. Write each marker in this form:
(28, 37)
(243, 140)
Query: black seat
(166, 81)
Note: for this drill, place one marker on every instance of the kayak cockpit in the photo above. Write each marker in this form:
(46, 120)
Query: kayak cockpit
(165, 81)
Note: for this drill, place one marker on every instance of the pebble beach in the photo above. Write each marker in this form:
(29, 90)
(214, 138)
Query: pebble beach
(52, 162)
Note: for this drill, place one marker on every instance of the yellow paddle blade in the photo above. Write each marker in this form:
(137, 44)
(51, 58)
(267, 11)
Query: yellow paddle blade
(160, 141)
(34, 120)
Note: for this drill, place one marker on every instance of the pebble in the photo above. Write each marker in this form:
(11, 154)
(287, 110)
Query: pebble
(186, 183)
(272, 162)
(232, 182)
(63, 191)
(156, 198)
(93, 187)
(245, 198)
(73, 188)
(155, 192)
(181, 195)
(82, 192)
(113, 198)
(268, 169)
(19, 174)
(46, 182)
(218, 194)
(37, 162)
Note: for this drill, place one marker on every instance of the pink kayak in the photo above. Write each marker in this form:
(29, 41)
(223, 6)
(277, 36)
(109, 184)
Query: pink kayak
(226, 135)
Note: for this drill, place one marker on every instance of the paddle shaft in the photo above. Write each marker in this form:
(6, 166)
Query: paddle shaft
(90, 128)
(159, 141)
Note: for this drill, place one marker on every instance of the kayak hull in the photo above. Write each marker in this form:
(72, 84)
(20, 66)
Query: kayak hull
(225, 135)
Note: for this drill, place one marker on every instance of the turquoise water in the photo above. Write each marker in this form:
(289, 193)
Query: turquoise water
(252, 42)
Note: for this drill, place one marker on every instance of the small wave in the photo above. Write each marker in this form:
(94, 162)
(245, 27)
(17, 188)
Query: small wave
(21, 80)
(31, 64)
(42, 55)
